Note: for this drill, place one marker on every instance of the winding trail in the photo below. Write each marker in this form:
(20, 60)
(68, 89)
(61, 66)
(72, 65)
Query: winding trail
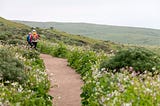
(65, 82)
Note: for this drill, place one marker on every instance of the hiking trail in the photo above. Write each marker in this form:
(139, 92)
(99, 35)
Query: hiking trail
(65, 82)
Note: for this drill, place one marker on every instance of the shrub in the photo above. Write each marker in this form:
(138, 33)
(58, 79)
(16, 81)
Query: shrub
(60, 50)
(15, 41)
(82, 60)
(45, 47)
(11, 68)
(30, 54)
(3, 36)
(139, 58)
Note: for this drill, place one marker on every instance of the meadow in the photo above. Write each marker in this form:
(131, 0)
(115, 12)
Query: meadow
(104, 86)
(119, 34)
(113, 74)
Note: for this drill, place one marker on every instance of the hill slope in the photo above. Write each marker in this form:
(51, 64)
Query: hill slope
(131, 35)
(7, 23)
(13, 32)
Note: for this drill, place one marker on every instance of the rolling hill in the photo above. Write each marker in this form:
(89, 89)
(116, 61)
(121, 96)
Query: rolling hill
(120, 34)
(13, 32)
(7, 23)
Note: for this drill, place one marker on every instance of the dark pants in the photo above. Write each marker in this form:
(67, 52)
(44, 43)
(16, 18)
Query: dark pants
(30, 43)
(35, 45)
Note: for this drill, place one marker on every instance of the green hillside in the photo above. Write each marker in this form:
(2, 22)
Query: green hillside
(127, 35)
(7, 23)
(13, 33)
(111, 76)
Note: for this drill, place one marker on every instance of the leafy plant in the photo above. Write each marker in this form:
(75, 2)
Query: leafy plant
(82, 60)
(11, 68)
(34, 90)
(60, 50)
(139, 58)
(3, 36)
(15, 41)
(30, 54)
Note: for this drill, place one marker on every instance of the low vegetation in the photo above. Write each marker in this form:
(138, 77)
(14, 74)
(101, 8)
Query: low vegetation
(11, 68)
(138, 59)
(114, 77)
(23, 80)
(125, 35)
(105, 87)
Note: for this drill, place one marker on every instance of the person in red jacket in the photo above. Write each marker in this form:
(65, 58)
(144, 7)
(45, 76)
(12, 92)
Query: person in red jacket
(29, 39)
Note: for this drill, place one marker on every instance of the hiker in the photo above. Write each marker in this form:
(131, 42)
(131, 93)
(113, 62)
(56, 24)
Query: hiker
(35, 38)
(29, 39)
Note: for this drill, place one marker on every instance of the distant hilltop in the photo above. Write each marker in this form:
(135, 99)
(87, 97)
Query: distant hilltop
(120, 34)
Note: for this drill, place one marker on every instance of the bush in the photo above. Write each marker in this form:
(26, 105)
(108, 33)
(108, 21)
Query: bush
(3, 36)
(139, 58)
(34, 92)
(45, 47)
(82, 61)
(30, 54)
(60, 50)
(11, 68)
(15, 41)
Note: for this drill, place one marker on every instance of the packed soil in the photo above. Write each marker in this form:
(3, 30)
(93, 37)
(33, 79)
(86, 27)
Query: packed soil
(65, 82)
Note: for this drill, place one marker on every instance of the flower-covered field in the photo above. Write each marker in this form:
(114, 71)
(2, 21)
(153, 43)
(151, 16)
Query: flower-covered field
(109, 87)
(29, 85)
(134, 84)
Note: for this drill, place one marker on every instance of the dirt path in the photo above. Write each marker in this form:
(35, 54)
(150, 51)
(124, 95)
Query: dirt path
(65, 82)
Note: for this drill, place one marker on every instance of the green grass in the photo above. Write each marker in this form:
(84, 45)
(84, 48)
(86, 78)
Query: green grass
(126, 35)
(4, 22)
(33, 91)
(15, 33)
(101, 87)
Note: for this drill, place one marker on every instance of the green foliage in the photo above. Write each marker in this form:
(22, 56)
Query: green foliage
(100, 87)
(60, 50)
(3, 36)
(12, 24)
(121, 89)
(108, 88)
(34, 90)
(30, 54)
(15, 42)
(139, 58)
(45, 47)
(127, 35)
(82, 60)
(11, 68)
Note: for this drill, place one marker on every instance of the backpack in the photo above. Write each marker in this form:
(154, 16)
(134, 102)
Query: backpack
(28, 38)
(35, 36)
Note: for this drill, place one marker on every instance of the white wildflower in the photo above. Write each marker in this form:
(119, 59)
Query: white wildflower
(103, 69)
(14, 84)
(153, 68)
(7, 82)
(20, 89)
(127, 104)
(148, 90)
